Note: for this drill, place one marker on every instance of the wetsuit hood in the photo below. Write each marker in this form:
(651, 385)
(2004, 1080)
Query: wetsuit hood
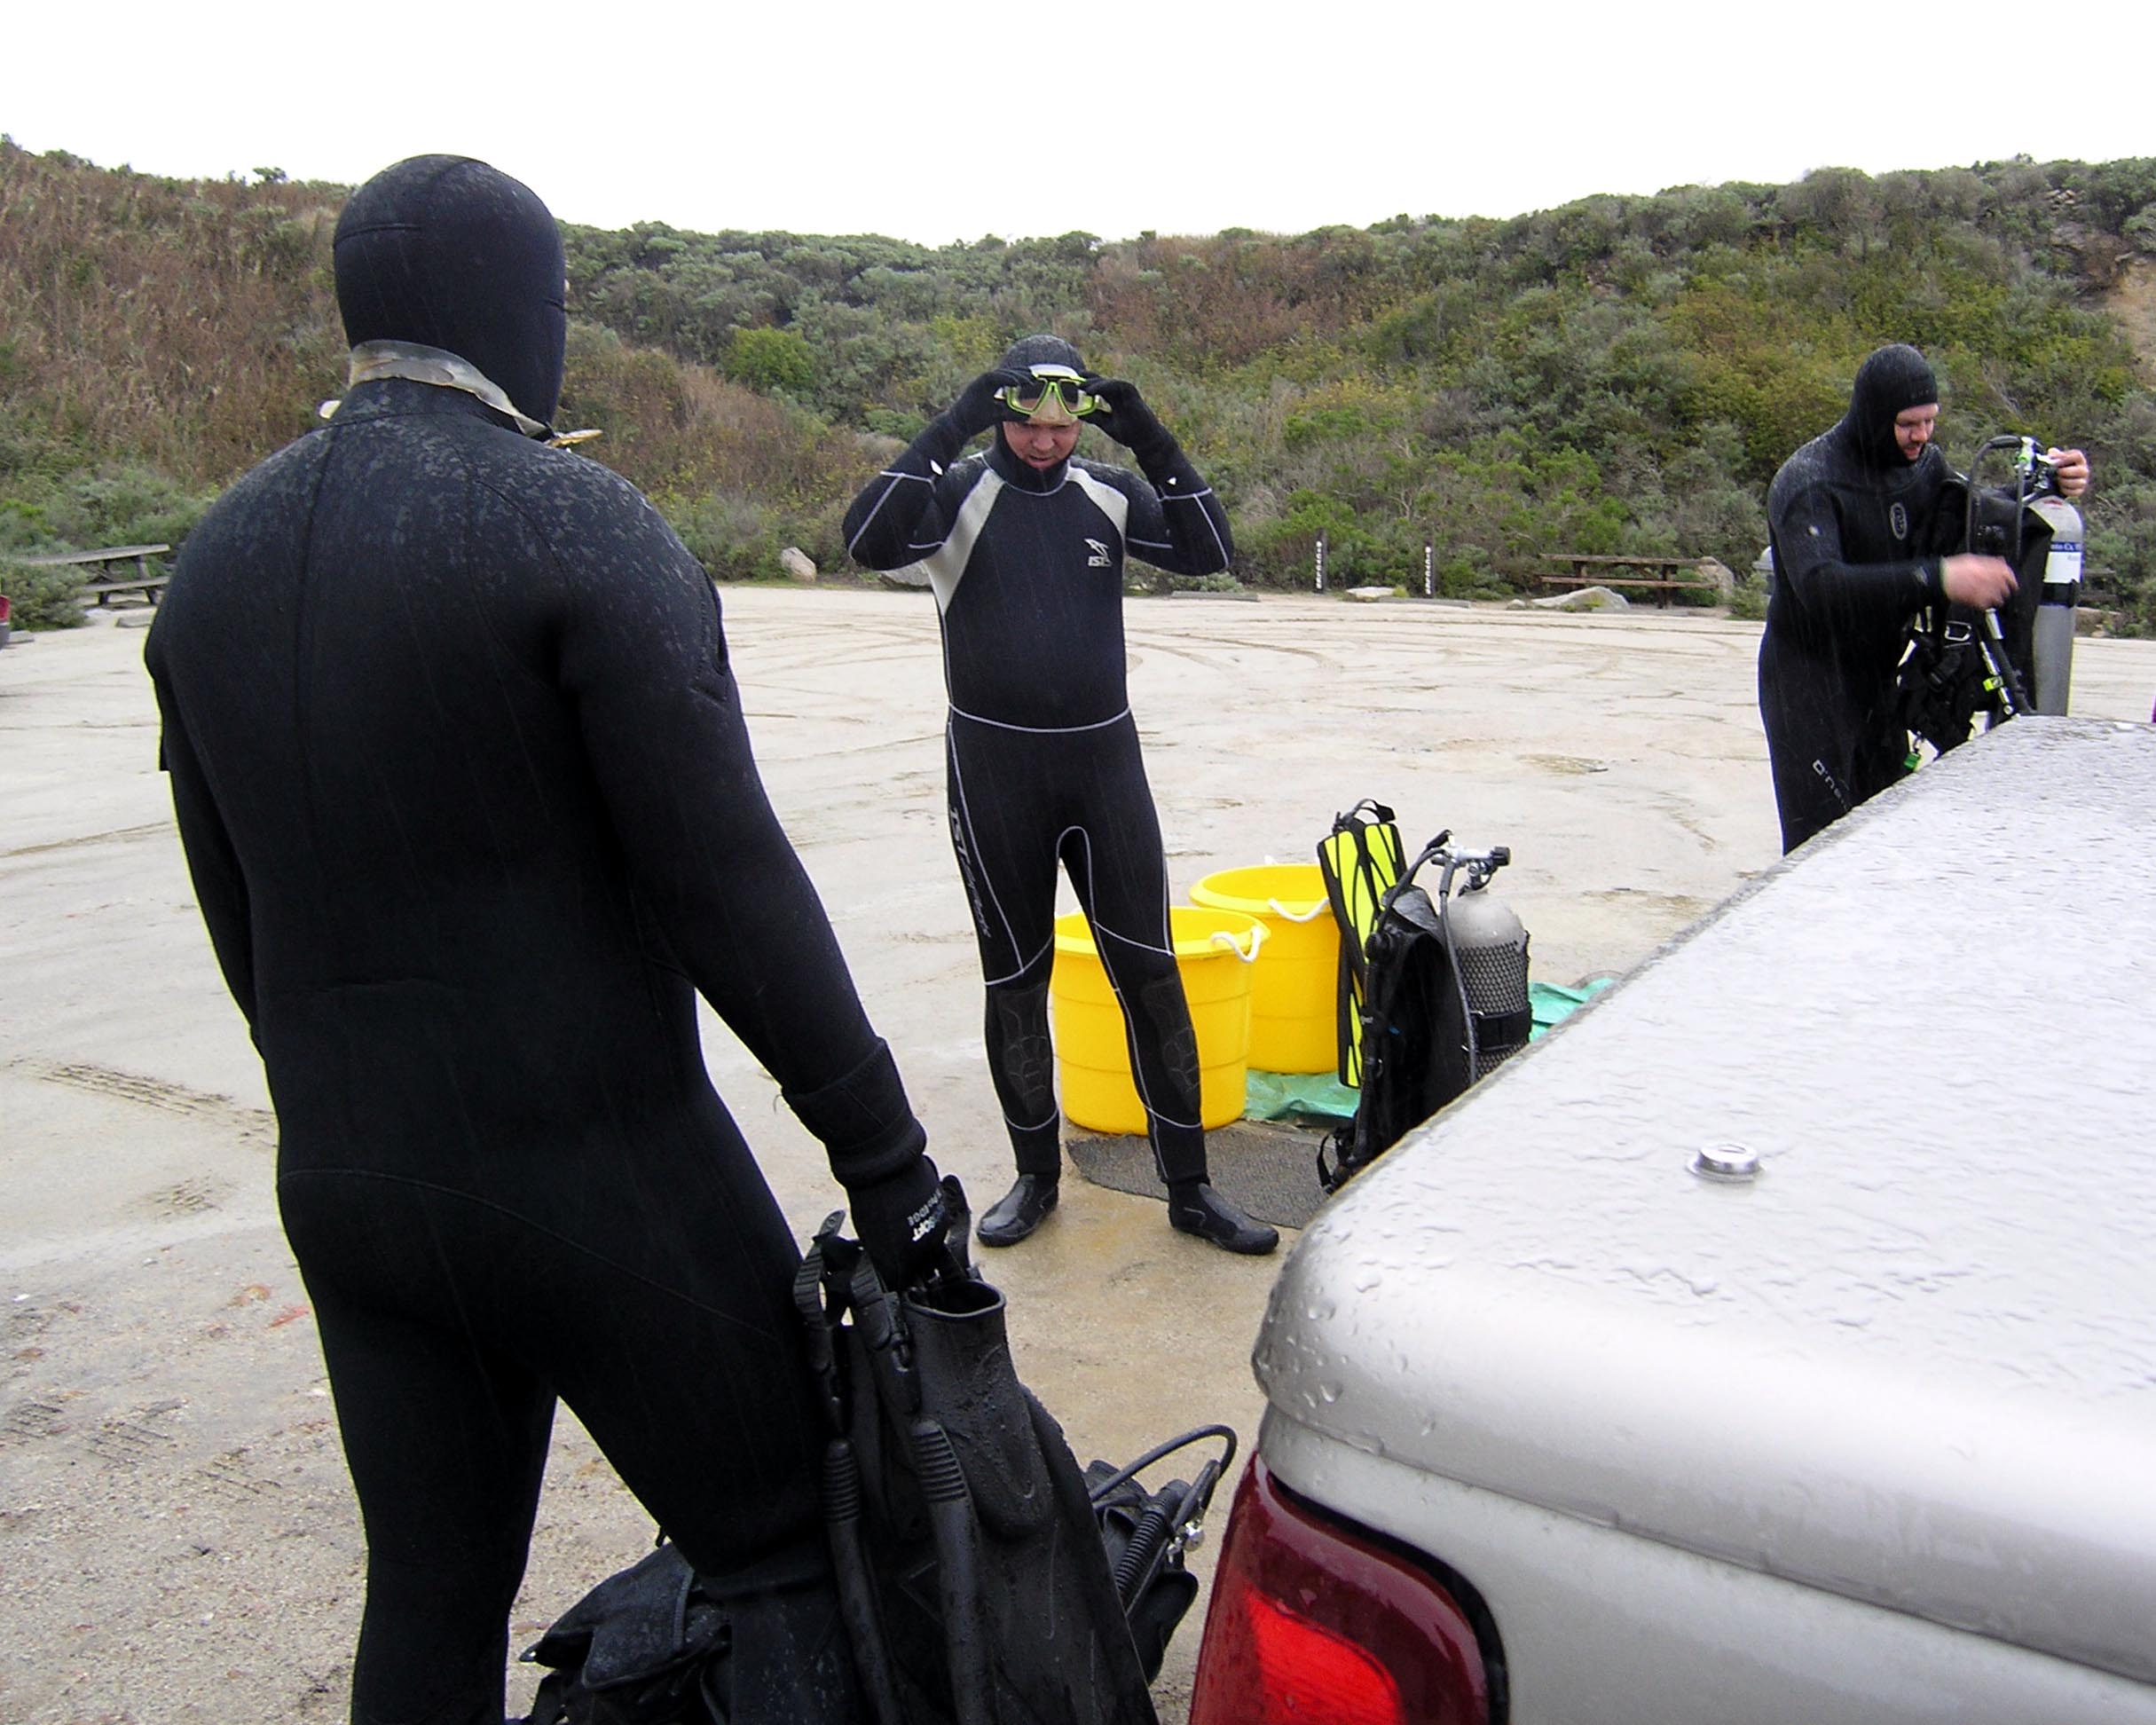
(1892, 380)
(1030, 351)
(444, 252)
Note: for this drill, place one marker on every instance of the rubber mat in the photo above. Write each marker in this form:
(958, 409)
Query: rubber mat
(1269, 1170)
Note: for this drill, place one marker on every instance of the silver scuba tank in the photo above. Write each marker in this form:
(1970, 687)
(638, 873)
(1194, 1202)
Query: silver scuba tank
(1489, 946)
(2051, 649)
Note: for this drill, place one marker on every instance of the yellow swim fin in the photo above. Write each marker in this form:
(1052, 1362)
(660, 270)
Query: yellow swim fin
(1361, 860)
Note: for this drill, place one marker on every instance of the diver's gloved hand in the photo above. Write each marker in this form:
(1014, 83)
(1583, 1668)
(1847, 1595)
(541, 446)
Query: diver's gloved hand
(1125, 417)
(901, 1220)
(1979, 582)
(977, 409)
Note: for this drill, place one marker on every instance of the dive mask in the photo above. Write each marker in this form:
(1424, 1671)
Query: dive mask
(1054, 395)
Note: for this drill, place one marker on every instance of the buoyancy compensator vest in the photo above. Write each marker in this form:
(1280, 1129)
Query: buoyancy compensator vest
(1443, 1002)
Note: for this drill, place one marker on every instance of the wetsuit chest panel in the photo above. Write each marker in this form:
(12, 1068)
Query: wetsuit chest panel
(1880, 524)
(1033, 604)
(1106, 498)
(1867, 525)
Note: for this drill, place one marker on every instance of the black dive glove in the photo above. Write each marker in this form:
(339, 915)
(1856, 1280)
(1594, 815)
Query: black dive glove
(977, 409)
(901, 1220)
(1125, 417)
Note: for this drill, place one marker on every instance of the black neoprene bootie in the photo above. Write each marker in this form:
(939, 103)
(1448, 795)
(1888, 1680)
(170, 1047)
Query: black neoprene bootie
(1018, 1211)
(1194, 1208)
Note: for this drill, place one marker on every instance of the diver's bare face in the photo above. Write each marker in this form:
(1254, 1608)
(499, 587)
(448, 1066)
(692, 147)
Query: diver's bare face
(1913, 429)
(1040, 446)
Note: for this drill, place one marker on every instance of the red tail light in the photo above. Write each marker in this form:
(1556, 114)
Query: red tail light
(1313, 1623)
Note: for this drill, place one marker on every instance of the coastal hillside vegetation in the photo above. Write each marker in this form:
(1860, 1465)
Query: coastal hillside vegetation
(1619, 375)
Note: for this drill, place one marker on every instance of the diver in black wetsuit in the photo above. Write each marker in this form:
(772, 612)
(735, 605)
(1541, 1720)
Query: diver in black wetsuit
(469, 808)
(1854, 521)
(1024, 546)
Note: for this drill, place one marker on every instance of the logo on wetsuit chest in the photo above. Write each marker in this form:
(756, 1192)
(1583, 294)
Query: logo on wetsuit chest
(1096, 555)
(1898, 520)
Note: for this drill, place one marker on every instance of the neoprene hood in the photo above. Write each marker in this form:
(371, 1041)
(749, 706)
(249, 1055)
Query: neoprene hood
(1892, 380)
(450, 253)
(1030, 351)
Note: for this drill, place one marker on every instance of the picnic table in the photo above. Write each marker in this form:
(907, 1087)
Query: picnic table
(1662, 575)
(103, 561)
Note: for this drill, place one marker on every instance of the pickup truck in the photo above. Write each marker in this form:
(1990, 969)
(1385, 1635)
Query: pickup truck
(1775, 1341)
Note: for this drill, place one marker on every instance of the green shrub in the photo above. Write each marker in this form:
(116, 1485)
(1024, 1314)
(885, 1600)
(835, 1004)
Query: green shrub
(776, 361)
(114, 504)
(1145, 578)
(118, 503)
(735, 538)
(44, 598)
(1467, 574)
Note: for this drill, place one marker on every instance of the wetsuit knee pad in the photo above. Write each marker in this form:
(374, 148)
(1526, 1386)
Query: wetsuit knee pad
(1166, 1015)
(1020, 1048)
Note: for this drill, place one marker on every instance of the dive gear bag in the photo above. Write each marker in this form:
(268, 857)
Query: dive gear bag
(1436, 1012)
(958, 1526)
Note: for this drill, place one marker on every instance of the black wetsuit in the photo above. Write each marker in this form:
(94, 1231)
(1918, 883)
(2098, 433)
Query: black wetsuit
(1043, 751)
(1856, 528)
(471, 814)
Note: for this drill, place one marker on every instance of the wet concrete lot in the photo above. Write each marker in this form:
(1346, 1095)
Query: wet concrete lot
(178, 1539)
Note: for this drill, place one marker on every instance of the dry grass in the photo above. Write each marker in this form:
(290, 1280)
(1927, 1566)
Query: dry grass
(185, 325)
(191, 328)
(2132, 300)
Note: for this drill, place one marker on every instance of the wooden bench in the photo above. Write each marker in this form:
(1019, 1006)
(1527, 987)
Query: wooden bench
(1663, 576)
(100, 563)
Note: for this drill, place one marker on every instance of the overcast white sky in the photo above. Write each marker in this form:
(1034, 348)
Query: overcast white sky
(937, 123)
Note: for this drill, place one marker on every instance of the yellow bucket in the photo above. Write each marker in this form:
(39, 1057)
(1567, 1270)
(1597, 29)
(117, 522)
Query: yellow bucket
(1293, 989)
(1215, 955)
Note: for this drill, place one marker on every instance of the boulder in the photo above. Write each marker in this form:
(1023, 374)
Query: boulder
(1587, 598)
(796, 564)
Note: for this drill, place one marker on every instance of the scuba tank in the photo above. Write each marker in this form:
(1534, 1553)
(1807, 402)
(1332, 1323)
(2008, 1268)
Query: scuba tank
(1489, 948)
(2052, 651)
(2021, 521)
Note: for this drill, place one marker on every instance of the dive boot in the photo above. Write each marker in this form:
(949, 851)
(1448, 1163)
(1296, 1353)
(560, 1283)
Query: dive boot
(1196, 1209)
(1018, 1211)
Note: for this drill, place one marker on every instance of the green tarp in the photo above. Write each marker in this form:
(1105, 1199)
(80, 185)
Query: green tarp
(1320, 1096)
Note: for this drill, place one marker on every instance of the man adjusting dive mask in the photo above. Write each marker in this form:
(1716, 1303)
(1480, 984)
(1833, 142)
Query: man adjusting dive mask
(1041, 383)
